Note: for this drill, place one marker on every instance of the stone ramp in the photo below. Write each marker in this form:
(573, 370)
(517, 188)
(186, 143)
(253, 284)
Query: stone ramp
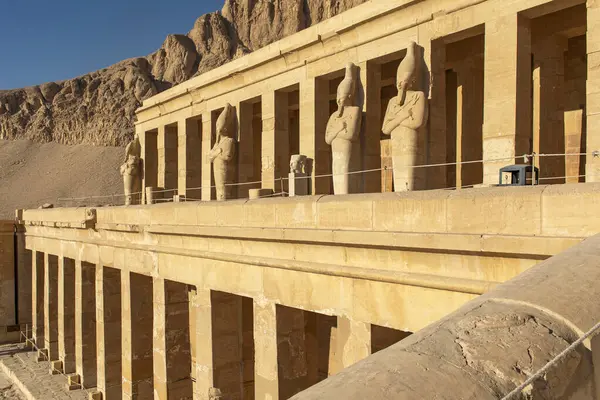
(32, 378)
(8, 390)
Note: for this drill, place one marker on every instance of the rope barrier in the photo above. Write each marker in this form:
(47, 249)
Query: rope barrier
(551, 363)
(526, 157)
(48, 360)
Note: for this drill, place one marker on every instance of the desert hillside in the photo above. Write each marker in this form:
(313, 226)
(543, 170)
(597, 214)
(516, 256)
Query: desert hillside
(98, 108)
(48, 132)
(32, 174)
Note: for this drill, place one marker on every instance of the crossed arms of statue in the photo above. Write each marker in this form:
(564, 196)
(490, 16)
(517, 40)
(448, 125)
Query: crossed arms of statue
(224, 150)
(412, 115)
(331, 133)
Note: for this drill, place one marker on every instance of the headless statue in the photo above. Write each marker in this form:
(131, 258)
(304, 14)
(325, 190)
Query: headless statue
(223, 152)
(405, 117)
(343, 129)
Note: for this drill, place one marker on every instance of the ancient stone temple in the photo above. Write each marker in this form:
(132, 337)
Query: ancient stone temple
(321, 199)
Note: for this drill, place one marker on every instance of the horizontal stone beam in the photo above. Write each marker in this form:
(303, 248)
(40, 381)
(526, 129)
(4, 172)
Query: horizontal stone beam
(493, 343)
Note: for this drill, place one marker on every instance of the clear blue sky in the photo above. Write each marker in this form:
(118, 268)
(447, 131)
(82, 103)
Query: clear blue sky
(51, 40)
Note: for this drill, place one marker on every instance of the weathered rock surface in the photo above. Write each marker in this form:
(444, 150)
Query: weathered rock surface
(98, 108)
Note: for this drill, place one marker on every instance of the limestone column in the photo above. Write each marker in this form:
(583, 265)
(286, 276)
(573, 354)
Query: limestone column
(207, 144)
(51, 306)
(353, 342)
(24, 259)
(232, 345)
(370, 97)
(460, 119)
(189, 154)
(108, 331)
(437, 147)
(37, 299)
(548, 103)
(7, 276)
(85, 323)
(171, 337)
(66, 314)
(245, 168)
(275, 139)
(265, 347)
(201, 343)
(314, 114)
(507, 111)
(162, 160)
(592, 167)
(292, 351)
(137, 338)
(149, 143)
(471, 80)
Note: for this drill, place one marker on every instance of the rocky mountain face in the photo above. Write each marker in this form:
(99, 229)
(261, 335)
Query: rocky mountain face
(98, 108)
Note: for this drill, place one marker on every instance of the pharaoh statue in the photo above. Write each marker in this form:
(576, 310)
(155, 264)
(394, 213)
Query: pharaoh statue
(343, 129)
(298, 164)
(223, 153)
(131, 170)
(405, 117)
(297, 178)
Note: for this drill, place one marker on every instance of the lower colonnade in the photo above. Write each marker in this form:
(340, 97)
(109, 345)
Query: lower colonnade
(127, 335)
(262, 299)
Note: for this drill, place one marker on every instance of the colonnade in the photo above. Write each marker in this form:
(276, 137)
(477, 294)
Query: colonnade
(496, 92)
(125, 335)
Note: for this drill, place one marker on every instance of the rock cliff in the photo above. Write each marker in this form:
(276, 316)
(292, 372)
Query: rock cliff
(98, 108)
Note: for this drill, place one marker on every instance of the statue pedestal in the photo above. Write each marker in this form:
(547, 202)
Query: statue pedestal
(254, 194)
(298, 184)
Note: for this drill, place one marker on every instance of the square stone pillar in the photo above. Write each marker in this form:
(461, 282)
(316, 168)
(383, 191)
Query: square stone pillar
(232, 345)
(7, 276)
(201, 343)
(66, 314)
(149, 144)
(314, 114)
(207, 144)
(24, 266)
(171, 337)
(162, 160)
(108, 331)
(85, 323)
(265, 346)
(369, 95)
(137, 338)
(548, 107)
(37, 299)
(292, 350)
(275, 140)
(353, 343)
(189, 156)
(592, 167)
(51, 306)
(245, 156)
(437, 177)
(507, 111)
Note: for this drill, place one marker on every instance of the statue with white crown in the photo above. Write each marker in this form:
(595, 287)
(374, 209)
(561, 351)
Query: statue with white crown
(405, 118)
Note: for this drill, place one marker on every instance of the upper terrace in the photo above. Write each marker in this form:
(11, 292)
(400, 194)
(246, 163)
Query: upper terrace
(329, 276)
(503, 80)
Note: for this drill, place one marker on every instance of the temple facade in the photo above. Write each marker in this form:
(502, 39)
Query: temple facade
(500, 84)
(312, 203)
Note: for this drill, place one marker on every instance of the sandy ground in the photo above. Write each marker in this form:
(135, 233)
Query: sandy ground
(32, 174)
